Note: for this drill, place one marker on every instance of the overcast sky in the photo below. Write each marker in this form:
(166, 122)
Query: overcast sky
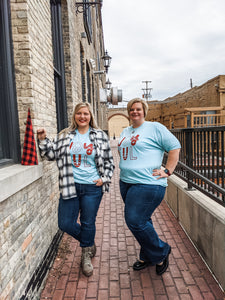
(164, 41)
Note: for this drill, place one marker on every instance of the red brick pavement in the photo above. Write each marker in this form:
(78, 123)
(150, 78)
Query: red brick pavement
(186, 278)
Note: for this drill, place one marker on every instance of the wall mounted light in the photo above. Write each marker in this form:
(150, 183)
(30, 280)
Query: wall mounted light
(107, 61)
(108, 84)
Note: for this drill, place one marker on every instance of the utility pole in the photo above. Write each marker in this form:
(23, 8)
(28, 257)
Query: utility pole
(147, 91)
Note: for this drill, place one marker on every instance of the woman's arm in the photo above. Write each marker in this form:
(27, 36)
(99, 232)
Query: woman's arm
(172, 160)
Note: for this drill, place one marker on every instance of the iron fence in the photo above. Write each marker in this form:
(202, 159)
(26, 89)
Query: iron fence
(201, 162)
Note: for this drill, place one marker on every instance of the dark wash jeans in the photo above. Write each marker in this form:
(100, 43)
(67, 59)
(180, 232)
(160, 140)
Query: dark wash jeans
(86, 203)
(140, 202)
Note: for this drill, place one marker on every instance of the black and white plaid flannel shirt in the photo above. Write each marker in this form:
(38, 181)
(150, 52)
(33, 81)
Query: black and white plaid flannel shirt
(58, 150)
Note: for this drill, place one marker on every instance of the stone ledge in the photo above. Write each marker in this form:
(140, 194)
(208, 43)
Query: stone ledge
(214, 208)
(16, 177)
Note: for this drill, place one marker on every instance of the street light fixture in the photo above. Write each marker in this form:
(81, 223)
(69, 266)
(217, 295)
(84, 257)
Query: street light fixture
(107, 60)
(108, 84)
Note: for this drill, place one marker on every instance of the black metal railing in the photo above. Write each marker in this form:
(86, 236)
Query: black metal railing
(201, 162)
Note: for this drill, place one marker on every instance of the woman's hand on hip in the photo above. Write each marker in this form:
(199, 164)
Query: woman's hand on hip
(99, 182)
(160, 173)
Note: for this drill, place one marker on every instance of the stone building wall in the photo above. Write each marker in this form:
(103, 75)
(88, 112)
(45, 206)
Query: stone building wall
(29, 194)
(90, 57)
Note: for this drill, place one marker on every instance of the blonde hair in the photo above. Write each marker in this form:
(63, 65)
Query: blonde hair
(138, 100)
(92, 123)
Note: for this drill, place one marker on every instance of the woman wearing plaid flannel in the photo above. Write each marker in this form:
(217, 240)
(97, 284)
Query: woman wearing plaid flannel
(85, 164)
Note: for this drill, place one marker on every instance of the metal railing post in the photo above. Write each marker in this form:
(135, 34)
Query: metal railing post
(189, 154)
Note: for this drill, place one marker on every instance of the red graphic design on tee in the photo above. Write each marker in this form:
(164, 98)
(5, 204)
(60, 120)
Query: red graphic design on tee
(81, 150)
(89, 148)
(121, 142)
(134, 139)
(129, 150)
(75, 161)
(125, 155)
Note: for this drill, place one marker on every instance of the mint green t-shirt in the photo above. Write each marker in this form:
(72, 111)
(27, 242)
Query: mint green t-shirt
(141, 151)
(82, 153)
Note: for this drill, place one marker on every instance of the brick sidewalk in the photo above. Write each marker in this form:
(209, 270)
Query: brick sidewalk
(186, 278)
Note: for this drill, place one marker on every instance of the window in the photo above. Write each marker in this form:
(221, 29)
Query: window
(59, 69)
(93, 95)
(211, 120)
(88, 83)
(82, 70)
(9, 125)
(88, 22)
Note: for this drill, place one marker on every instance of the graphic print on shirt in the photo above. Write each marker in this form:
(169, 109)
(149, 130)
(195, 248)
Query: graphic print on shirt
(127, 144)
(89, 148)
(84, 149)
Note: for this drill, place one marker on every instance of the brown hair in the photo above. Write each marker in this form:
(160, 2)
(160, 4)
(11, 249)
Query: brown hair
(138, 100)
(92, 123)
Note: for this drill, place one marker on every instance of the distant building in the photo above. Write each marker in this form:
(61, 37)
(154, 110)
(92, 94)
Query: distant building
(198, 107)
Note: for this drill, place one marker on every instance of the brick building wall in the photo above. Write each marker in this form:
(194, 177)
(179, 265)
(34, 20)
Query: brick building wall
(209, 94)
(29, 194)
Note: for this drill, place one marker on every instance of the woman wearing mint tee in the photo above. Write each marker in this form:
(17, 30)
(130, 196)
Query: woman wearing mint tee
(85, 164)
(143, 182)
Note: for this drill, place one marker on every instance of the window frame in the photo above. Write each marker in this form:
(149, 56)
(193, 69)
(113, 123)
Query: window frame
(82, 72)
(59, 66)
(88, 74)
(9, 124)
(87, 21)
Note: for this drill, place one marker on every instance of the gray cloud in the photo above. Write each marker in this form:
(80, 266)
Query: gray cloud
(167, 42)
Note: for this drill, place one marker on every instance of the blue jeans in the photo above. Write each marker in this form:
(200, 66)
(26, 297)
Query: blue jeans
(140, 202)
(86, 203)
